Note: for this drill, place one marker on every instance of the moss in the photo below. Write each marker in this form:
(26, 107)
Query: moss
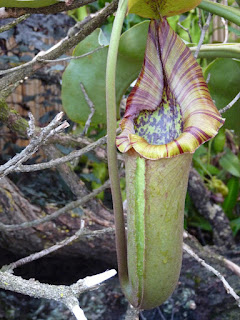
(12, 119)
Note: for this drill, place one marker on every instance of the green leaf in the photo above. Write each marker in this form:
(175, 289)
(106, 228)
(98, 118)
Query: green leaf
(223, 87)
(201, 223)
(26, 3)
(231, 199)
(235, 225)
(212, 169)
(230, 163)
(91, 72)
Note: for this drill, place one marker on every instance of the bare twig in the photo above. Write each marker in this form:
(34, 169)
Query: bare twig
(203, 32)
(31, 130)
(200, 24)
(78, 312)
(67, 295)
(43, 253)
(187, 30)
(92, 110)
(225, 23)
(227, 286)
(13, 23)
(229, 106)
(36, 140)
(132, 313)
(208, 78)
(161, 314)
(57, 213)
(70, 58)
(141, 316)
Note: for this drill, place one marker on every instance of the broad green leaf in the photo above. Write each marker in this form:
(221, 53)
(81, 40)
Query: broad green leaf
(26, 3)
(224, 86)
(167, 8)
(91, 71)
(230, 163)
(231, 199)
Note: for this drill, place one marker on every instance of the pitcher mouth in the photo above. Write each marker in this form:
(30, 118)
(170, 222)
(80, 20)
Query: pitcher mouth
(170, 110)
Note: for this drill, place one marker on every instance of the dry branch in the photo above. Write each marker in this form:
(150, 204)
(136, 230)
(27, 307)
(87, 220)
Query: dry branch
(56, 8)
(13, 23)
(58, 49)
(36, 140)
(67, 295)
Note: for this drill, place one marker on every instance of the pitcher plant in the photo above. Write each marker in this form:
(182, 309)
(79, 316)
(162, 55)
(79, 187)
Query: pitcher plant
(169, 114)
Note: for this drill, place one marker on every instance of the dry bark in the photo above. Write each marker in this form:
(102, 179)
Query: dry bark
(15, 209)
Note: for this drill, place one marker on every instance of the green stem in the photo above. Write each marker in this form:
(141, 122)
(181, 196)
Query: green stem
(228, 50)
(111, 147)
(227, 12)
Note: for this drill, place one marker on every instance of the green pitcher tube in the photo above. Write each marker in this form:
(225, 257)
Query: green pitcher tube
(156, 193)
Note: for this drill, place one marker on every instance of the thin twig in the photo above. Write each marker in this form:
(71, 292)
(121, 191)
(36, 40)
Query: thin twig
(225, 23)
(208, 78)
(13, 23)
(92, 110)
(161, 314)
(187, 30)
(142, 316)
(200, 24)
(43, 253)
(78, 312)
(31, 130)
(36, 141)
(226, 33)
(132, 313)
(56, 214)
(70, 58)
(227, 286)
(229, 106)
(203, 32)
